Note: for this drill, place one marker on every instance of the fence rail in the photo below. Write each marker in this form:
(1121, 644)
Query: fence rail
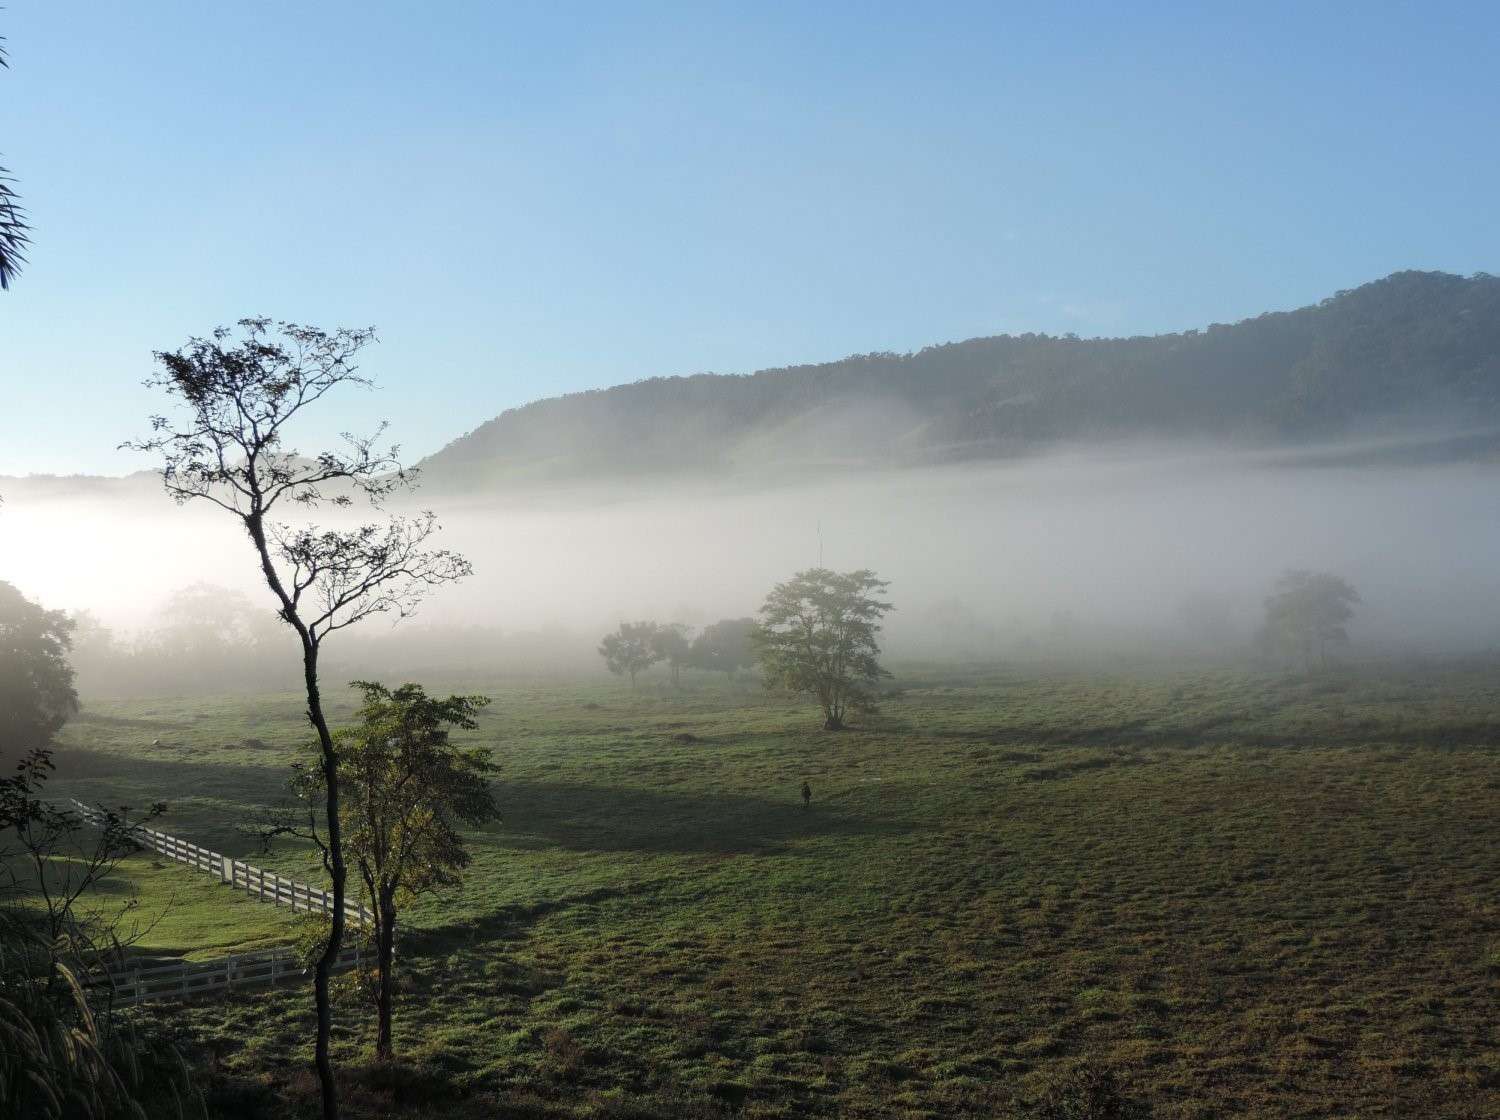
(184, 979)
(267, 886)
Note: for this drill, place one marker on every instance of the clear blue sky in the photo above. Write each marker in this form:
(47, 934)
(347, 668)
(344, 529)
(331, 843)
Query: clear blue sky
(529, 199)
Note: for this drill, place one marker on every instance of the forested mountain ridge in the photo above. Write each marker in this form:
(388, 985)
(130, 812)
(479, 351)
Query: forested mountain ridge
(1414, 349)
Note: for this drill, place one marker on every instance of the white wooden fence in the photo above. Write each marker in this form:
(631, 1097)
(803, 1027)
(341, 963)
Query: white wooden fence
(184, 979)
(264, 885)
(180, 979)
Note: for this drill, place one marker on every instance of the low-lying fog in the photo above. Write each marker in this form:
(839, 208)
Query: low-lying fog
(1061, 553)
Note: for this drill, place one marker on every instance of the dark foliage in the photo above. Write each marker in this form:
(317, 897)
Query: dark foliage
(36, 681)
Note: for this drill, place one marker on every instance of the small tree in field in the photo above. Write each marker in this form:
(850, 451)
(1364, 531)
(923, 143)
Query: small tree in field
(726, 646)
(1307, 611)
(229, 449)
(407, 788)
(670, 644)
(630, 649)
(817, 635)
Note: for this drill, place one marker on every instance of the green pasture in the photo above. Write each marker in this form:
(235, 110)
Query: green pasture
(1246, 895)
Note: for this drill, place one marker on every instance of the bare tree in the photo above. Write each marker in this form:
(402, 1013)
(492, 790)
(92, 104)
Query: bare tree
(236, 399)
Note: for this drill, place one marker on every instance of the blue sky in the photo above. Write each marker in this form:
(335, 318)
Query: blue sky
(530, 199)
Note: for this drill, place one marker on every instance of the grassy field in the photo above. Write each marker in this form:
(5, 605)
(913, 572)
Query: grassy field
(1244, 895)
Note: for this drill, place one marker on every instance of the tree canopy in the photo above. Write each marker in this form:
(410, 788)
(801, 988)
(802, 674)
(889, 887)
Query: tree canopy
(817, 635)
(630, 649)
(669, 642)
(725, 646)
(36, 682)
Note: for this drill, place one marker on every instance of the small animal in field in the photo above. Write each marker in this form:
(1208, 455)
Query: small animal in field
(806, 795)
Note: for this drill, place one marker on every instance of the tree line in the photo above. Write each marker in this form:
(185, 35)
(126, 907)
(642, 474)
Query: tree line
(725, 647)
(816, 634)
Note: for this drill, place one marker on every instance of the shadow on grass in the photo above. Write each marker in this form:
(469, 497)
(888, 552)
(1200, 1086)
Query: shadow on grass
(511, 922)
(1220, 731)
(591, 818)
(116, 779)
(534, 815)
(87, 716)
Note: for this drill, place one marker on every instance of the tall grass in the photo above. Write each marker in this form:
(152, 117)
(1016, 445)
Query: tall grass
(65, 1054)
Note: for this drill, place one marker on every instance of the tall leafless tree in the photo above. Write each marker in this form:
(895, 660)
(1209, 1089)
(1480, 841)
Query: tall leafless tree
(227, 446)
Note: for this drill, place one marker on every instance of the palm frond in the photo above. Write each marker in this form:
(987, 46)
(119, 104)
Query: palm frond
(15, 232)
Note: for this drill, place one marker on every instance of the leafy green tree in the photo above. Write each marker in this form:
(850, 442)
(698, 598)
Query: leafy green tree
(407, 789)
(630, 649)
(726, 646)
(817, 635)
(228, 447)
(36, 682)
(1308, 611)
(670, 643)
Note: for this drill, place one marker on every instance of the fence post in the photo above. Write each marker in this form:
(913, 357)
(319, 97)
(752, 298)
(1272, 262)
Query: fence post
(226, 869)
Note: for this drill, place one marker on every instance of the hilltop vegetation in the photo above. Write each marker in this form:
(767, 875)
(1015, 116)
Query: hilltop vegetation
(1417, 349)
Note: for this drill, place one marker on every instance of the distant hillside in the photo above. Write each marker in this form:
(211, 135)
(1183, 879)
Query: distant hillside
(1417, 350)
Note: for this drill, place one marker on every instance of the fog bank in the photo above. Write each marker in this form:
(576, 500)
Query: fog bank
(1067, 551)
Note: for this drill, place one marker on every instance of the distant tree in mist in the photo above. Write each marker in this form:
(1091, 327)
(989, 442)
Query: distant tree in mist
(1306, 612)
(725, 646)
(817, 635)
(670, 644)
(203, 627)
(36, 682)
(202, 638)
(630, 649)
(235, 399)
(93, 642)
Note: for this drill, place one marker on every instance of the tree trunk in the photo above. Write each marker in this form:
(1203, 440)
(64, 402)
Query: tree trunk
(385, 965)
(323, 973)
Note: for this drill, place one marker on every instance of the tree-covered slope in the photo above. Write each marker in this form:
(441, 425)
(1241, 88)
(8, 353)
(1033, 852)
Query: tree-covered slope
(1414, 349)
